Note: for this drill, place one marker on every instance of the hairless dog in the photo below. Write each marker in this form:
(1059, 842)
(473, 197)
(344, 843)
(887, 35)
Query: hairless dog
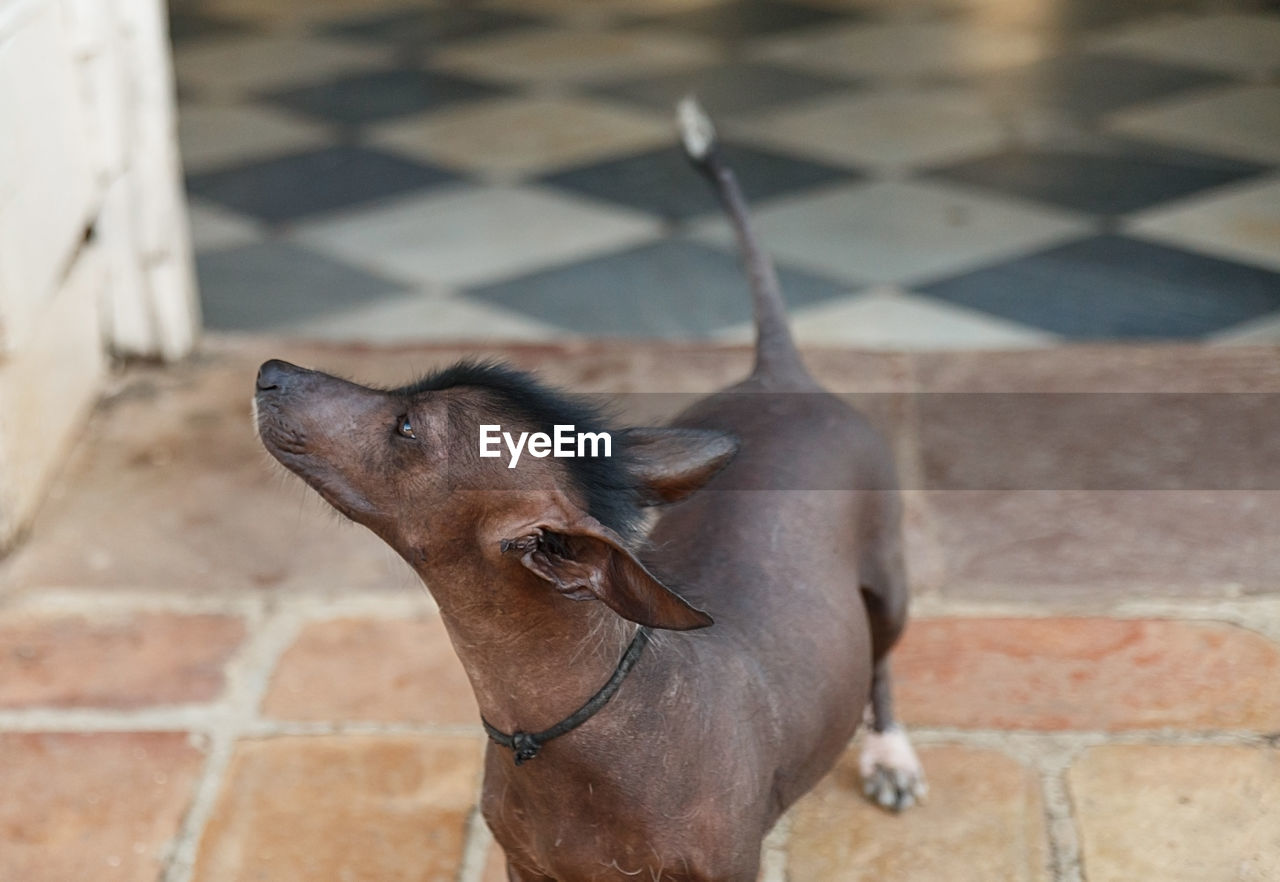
(629, 735)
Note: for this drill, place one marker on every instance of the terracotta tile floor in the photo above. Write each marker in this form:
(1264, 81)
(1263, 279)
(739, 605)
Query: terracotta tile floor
(204, 676)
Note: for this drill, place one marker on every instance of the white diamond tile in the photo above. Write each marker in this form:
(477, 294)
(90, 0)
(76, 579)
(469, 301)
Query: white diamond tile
(604, 10)
(427, 317)
(560, 56)
(1237, 121)
(523, 136)
(902, 232)
(887, 129)
(212, 135)
(283, 14)
(476, 234)
(1239, 223)
(214, 228)
(888, 318)
(1263, 331)
(236, 65)
(1233, 43)
(905, 49)
(896, 9)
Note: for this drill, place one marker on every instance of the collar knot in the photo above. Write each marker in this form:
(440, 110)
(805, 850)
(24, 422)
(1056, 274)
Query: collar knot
(525, 745)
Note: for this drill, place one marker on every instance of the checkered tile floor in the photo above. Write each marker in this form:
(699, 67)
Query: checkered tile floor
(928, 173)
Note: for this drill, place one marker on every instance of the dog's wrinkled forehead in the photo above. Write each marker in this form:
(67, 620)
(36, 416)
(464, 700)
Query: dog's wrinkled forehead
(605, 483)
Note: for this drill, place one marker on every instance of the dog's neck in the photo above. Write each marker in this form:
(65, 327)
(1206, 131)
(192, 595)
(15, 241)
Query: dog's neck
(533, 657)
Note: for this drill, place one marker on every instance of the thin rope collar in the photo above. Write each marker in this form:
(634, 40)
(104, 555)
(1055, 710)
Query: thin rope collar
(525, 745)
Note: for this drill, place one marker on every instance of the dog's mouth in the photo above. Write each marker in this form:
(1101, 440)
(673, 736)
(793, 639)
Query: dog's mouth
(284, 438)
(280, 437)
(288, 444)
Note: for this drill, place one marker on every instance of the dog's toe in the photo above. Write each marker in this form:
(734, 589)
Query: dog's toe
(893, 790)
(892, 776)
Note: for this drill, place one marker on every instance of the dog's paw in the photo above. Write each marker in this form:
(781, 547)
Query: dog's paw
(892, 776)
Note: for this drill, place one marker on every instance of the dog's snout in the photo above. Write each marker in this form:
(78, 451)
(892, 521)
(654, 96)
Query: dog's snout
(275, 374)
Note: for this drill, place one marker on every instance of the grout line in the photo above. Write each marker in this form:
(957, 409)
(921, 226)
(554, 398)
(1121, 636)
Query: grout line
(1066, 861)
(247, 679)
(209, 720)
(1260, 614)
(308, 607)
(479, 842)
(179, 863)
(206, 720)
(1030, 746)
(199, 719)
(1050, 755)
(273, 728)
(75, 601)
(773, 862)
(1257, 613)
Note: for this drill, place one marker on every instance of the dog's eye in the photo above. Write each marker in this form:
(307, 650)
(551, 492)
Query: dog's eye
(405, 427)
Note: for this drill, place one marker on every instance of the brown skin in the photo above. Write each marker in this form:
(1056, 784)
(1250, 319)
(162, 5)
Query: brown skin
(717, 729)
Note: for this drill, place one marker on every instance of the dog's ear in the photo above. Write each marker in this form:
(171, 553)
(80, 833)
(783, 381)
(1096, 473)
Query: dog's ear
(669, 464)
(586, 559)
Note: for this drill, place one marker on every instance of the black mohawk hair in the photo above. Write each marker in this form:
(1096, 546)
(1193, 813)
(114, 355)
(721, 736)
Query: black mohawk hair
(605, 482)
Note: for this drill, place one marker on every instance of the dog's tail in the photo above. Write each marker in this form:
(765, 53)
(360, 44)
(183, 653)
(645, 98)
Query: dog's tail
(775, 349)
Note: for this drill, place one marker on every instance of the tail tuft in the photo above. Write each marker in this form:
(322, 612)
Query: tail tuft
(775, 350)
(696, 130)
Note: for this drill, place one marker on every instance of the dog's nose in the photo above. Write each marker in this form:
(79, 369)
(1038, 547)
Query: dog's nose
(274, 374)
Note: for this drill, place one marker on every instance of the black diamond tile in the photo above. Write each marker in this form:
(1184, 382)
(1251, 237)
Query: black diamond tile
(1087, 86)
(381, 95)
(665, 289)
(1111, 287)
(272, 285)
(293, 187)
(663, 182)
(187, 25)
(726, 88)
(751, 18)
(1106, 177)
(423, 29)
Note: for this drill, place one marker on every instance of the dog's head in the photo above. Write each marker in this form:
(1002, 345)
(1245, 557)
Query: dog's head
(468, 466)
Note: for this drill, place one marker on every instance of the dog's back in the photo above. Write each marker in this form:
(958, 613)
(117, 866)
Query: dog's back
(798, 538)
(781, 562)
